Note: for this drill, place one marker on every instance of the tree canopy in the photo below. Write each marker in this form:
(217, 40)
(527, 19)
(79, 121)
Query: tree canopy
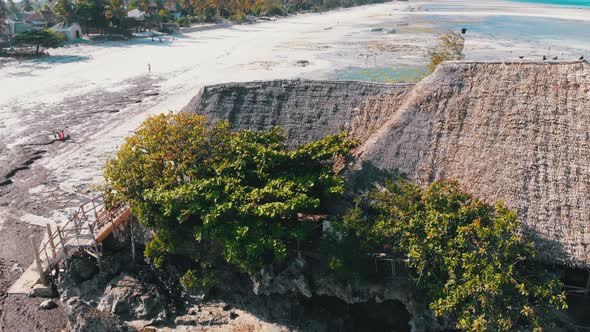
(26, 5)
(239, 194)
(39, 39)
(468, 257)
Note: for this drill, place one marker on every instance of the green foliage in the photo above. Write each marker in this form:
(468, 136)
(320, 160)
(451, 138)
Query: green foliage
(467, 256)
(26, 6)
(199, 280)
(450, 47)
(64, 11)
(40, 39)
(3, 12)
(238, 193)
(11, 7)
(163, 14)
(115, 11)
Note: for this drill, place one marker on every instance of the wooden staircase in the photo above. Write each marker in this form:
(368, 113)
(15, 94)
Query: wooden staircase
(84, 231)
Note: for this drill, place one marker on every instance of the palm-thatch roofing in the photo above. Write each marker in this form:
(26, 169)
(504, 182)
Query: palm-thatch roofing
(517, 132)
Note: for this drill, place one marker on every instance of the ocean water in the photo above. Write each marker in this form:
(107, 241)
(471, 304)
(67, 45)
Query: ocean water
(579, 3)
(397, 74)
(527, 29)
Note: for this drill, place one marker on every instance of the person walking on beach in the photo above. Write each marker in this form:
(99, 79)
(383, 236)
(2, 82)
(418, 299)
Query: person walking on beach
(149, 68)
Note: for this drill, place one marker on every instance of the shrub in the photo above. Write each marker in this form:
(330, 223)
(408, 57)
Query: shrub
(466, 256)
(450, 47)
(40, 39)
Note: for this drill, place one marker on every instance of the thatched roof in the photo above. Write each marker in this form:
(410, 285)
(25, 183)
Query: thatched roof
(518, 132)
(306, 110)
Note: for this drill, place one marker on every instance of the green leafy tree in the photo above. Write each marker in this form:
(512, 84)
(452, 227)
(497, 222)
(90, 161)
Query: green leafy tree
(87, 12)
(467, 256)
(450, 47)
(200, 186)
(39, 39)
(27, 6)
(11, 7)
(163, 15)
(3, 12)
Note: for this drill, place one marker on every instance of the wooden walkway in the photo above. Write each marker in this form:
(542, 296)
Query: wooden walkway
(84, 231)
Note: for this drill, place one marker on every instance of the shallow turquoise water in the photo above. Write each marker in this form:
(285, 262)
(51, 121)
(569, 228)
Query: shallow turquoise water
(406, 74)
(582, 3)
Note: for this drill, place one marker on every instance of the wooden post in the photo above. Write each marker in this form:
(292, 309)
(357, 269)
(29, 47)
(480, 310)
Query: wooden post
(132, 240)
(37, 260)
(51, 243)
(95, 246)
(63, 245)
(83, 212)
(112, 222)
(48, 259)
(76, 229)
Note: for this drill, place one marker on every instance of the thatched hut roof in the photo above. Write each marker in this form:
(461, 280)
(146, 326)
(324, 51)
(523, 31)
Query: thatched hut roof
(306, 110)
(517, 132)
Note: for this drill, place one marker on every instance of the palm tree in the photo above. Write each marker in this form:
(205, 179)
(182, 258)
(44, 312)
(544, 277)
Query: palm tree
(3, 11)
(27, 6)
(64, 11)
(115, 11)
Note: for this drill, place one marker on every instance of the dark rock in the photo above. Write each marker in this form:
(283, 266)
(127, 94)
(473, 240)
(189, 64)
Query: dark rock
(47, 305)
(83, 268)
(42, 291)
(84, 318)
(130, 299)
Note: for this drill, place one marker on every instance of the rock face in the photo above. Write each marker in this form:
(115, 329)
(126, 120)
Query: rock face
(84, 318)
(127, 298)
(306, 110)
(517, 132)
(297, 279)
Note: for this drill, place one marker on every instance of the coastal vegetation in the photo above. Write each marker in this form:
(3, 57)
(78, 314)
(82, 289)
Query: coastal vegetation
(241, 195)
(449, 48)
(104, 15)
(39, 40)
(467, 257)
(214, 197)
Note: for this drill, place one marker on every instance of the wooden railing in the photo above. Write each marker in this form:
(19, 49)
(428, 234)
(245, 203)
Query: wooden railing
(85, 230)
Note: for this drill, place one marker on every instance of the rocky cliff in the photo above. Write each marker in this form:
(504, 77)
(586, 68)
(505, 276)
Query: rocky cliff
(517, 132)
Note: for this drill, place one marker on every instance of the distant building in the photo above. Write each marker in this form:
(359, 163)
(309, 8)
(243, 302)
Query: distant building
(136, 14)
(22, 22)
(71, 31)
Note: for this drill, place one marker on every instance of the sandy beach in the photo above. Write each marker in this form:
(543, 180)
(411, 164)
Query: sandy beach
(100, 93)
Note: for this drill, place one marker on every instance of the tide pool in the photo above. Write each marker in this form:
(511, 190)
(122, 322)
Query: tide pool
(397, 74)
